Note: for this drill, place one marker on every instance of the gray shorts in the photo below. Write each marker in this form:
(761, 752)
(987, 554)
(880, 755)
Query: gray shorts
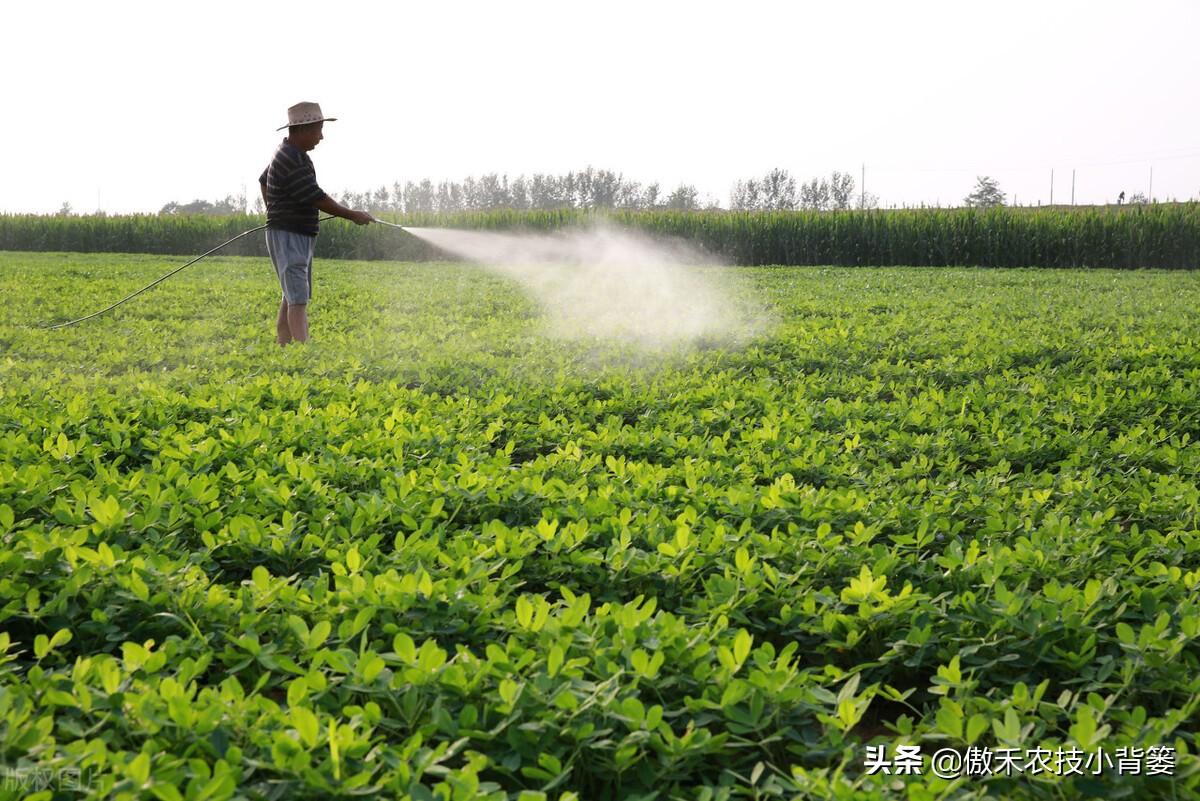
(292, 255)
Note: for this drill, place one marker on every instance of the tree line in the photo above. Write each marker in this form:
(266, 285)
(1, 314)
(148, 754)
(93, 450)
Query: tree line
(778, 191)
(585, 189)
(591, 189)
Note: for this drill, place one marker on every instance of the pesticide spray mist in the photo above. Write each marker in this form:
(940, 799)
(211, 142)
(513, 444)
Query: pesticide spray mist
(611, 284)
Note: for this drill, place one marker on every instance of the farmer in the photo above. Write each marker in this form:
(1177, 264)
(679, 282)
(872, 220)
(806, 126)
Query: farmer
(293, 200)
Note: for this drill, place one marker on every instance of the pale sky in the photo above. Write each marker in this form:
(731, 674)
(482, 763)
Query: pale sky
(130, 105)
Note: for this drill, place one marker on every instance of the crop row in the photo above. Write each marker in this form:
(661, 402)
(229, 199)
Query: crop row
(1166, 235)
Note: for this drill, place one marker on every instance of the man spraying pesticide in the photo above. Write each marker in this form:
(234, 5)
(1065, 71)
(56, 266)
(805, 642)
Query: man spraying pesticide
(293, 199)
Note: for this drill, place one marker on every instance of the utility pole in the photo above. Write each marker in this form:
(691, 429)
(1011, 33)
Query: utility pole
(1072, 186)
(1150, 193)
(862, 197)
(1051, 186)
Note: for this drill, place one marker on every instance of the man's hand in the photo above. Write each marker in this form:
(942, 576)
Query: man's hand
(331, 206)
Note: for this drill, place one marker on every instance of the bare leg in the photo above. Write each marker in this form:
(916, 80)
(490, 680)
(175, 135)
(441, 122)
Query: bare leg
(297, 320)
(283, 333)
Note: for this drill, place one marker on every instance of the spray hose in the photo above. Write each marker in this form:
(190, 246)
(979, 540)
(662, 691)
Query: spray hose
(158, 281)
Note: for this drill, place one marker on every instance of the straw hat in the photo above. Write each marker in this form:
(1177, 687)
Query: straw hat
(303, 114)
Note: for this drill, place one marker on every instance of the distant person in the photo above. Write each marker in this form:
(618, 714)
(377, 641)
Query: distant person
(1121, 197)
(293, 200)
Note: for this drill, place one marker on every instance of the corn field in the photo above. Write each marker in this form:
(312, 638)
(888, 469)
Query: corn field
(1161, 235)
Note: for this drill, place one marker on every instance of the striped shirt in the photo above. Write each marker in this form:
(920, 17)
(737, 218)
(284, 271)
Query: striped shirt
(292, 191)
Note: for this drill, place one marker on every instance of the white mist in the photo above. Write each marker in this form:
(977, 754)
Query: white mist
(603, 283)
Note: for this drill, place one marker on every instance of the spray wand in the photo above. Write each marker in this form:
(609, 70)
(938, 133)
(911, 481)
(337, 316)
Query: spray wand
(392, 224)
(158, 281)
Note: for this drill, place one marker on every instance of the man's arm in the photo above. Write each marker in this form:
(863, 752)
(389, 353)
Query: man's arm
(331, 206)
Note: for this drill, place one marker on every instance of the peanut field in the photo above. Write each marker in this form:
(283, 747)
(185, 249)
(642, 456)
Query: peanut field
(438, 554)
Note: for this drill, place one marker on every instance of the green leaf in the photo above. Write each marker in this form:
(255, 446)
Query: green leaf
(950, 718)
(508, 691)
(297, 691)
(524, 612)
(166, 792)
(307, 725)
(435, 508)
(61, 637)
(318, 635)
(1084, 729)
(976, 726)
(554, 659)
(218, 788)
(261, 578)
(370, 665)
(741, 645)
(546, 529)
(298, 627)
(405, 648)
(1008, 731)
(106, 512)
(138, 769)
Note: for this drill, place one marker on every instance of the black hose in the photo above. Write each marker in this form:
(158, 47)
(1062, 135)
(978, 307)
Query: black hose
(160, 280)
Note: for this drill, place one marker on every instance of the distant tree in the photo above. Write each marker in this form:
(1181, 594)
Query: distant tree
(419, 197)
(571, 189)
(380, 200)
(448, 197)
(651, 197)
(597, 189)
(629, 195)
(746, 196)
(866, 200)
(1138, 198)
(259, 208)
(986, 195)
(195, 207)
(550, 192)
(493, 192)
(815, 195)
(778, 189)
(65, 209)
(684, 198)
(841, 190)
(230, 204)
(519, 192)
